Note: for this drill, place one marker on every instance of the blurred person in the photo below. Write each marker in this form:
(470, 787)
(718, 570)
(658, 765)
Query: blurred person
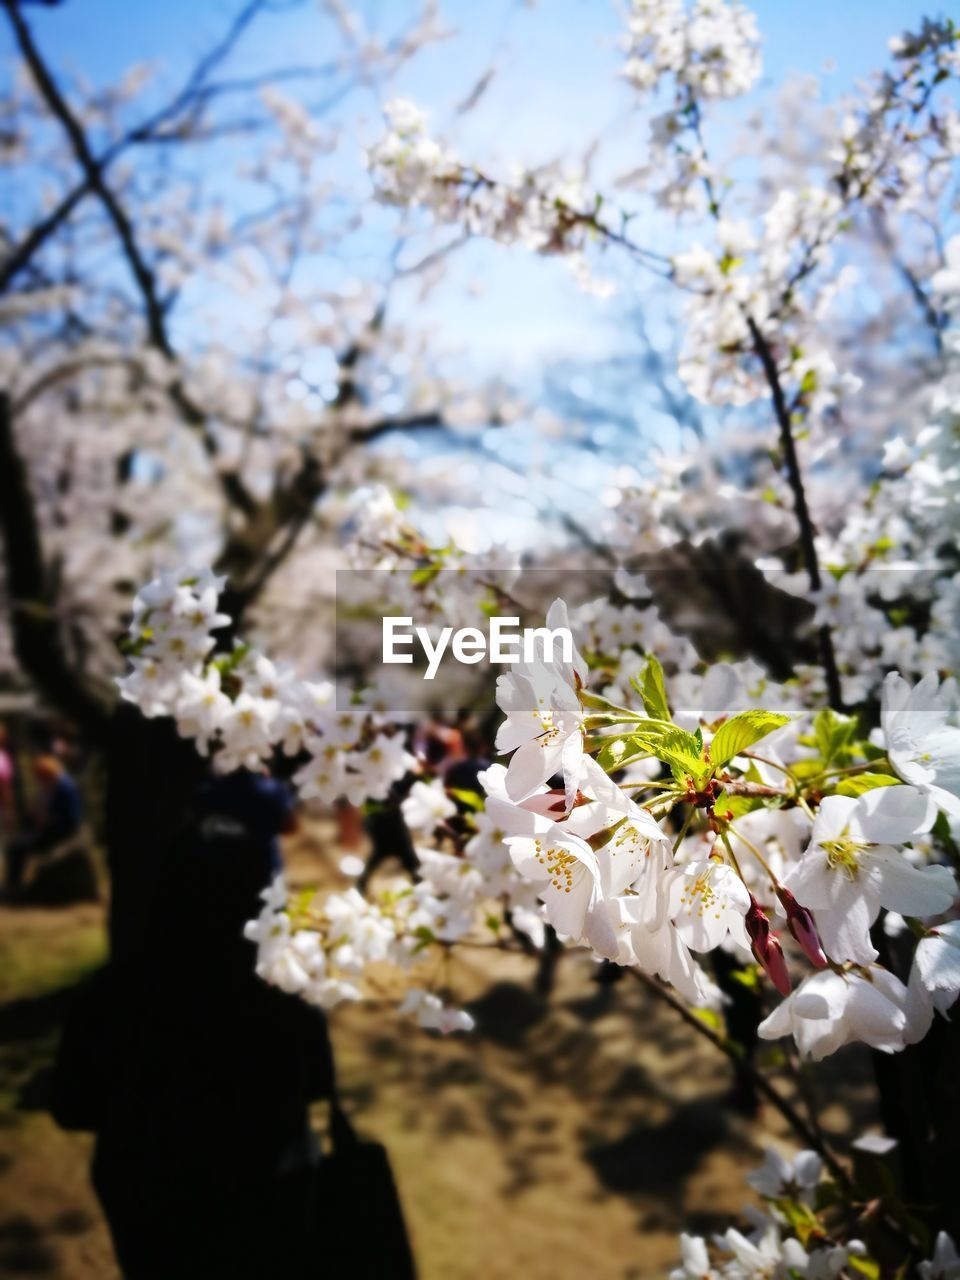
(152, 776)
(349, 826)
(258, 805)
(195, 1075)
(389, 834)
(7, 797)
(438, 744)
(462, 773)
(57, 817)
(387, 830)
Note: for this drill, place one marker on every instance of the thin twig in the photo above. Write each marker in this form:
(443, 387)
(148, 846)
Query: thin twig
(764, 353)
(759, 1081)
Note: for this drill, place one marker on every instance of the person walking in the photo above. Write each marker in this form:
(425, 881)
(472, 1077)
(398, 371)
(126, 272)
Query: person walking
(196, 1076)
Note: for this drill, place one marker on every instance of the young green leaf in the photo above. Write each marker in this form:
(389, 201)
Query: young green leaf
(682, 752)
(861, 782)
(620, 752)
(470, 799)
(833, 733)
(651, 689)
(742, 731)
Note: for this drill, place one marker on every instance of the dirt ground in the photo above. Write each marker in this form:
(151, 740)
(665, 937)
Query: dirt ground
(564, 1138)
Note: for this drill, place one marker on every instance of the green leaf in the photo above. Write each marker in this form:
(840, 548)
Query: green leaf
(941, 829)
(748, 977)
(710, 1018)
(230, 661)
(133, 648)
(833, 734)
(812, 767)
(301, 903)
(809, 383)
(611, 753)
(425, 937)
(742, 731)
(620, 752)
(472, 799)
(681, 751)
(651, 689)
(426, 573)
(802, 1220)
(866, 1266)
(861, 782)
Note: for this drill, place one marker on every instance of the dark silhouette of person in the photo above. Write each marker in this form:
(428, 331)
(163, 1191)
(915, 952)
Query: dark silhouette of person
(197, 1076)
(58, 816)
(262, 806)
(153, 776)
(8, 780)
(463, 772)
(389, 834)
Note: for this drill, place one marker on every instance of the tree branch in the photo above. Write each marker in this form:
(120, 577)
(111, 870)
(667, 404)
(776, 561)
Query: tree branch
(760, 1082)
(154, 308)
(828, 656)
(19, 257)
(92, 169)
(387, 426)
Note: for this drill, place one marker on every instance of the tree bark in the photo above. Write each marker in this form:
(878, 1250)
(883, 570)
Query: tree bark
(37, 637)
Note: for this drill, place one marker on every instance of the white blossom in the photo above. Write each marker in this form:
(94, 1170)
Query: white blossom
(852, 868)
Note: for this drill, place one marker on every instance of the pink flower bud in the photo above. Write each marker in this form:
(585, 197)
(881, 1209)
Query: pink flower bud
(766, 947)
(801, 925)
(776, 966)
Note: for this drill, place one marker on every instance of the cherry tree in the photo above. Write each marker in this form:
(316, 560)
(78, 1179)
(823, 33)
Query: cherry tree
(653, 806)
(180, 368)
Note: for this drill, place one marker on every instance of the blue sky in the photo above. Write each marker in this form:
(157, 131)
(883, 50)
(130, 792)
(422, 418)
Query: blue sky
(104, 36)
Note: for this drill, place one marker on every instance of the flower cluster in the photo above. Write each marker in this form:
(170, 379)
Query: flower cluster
(761, 291)
(547, 213)
(328, 948)
(803, 1229)
(749, 283)
(894, 151)
(582, 830)
(791, 1236)
(711, 48)
(398, 566)
(322, 948)
(239, 708)
(609, 879)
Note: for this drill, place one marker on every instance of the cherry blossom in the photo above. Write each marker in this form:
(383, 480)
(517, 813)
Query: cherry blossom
(921, 744)
(852, 868)
(945, 1263)
(830, 1009)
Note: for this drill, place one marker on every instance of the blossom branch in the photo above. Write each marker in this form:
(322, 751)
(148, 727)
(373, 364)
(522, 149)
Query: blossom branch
(731, 1050)
(801, 509)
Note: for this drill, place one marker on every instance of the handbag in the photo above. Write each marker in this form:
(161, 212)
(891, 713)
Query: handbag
(358, 1225)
